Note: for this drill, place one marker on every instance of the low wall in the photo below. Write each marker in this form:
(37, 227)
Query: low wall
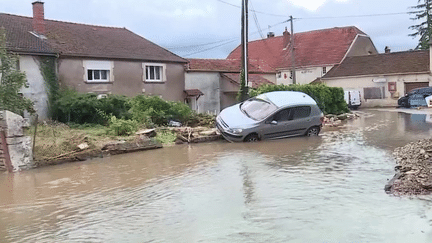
(19, 146)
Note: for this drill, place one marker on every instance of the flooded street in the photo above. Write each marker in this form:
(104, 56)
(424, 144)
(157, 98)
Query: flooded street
(320, 189)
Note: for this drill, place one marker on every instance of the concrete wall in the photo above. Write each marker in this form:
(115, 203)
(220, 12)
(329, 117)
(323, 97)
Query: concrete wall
(229, 91)
(362, 46)
(303, 75)
(359, 83)
(127, 79)
(19, 146)
(36, 90)
(209, 84)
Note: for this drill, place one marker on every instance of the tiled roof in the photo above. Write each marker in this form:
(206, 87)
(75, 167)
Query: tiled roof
(193, 92)
(312, 48)
(256, 80)
(19, 38)
(227, 65)
(380, 64)
(81, 40)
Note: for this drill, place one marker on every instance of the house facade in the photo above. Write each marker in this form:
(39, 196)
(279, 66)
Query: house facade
(315, 52)
(218, 80)
(89, 58)
(383, 78)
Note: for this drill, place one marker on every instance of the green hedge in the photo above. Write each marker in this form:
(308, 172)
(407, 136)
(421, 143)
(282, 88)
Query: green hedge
(329, 99)
(74, 107)
(79, 108)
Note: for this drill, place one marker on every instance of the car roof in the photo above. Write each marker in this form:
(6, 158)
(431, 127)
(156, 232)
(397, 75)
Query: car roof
(286, 98)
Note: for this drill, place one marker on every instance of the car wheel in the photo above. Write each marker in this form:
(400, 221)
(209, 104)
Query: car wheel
(313, 131)
(251, 138)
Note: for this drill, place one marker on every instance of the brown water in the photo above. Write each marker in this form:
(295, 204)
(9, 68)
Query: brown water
(323, 189)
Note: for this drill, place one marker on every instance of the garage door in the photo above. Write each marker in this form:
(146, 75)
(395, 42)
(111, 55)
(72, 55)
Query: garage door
(411, 86)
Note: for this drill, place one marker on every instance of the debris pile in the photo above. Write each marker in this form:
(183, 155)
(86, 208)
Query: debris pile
(413, 170)
(336, 120)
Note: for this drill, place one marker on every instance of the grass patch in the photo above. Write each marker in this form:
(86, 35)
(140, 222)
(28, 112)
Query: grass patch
(165, 136)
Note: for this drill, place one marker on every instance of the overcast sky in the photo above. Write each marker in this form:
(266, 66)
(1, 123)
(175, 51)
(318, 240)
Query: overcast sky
(211, 28)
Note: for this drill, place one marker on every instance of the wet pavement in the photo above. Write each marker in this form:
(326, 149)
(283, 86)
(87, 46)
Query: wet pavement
(321, 189)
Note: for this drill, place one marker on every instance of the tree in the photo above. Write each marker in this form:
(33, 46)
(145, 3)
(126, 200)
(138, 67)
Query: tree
(423, 29)
(11, 81)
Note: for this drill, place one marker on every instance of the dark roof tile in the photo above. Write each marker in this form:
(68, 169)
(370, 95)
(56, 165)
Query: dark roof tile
(82, 40)
(381, 64)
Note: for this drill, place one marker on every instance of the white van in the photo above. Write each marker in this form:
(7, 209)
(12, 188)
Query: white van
(353, 98)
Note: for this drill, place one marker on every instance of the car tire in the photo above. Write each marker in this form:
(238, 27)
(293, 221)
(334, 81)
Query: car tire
(251, 138)
(313, 131)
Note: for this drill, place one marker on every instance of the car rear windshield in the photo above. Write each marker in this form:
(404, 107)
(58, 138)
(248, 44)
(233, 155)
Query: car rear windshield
(257, 109)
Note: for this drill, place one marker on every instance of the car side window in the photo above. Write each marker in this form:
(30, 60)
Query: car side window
(282, 115)
(300, 112)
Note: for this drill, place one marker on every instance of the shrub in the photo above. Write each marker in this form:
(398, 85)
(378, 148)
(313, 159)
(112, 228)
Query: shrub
(87, 108)
(122, 127)
(329, 99)
(152, 110)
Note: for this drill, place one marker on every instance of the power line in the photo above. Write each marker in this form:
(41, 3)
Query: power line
(224, 42)
(355, 16)
(256, 22)
(270, 14)
(208, 49)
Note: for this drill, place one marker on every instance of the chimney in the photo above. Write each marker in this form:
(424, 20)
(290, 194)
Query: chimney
(387, 49)
(38, 17)
(270, 34)
(286, 38)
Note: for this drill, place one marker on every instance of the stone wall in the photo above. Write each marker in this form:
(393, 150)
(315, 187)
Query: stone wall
(19, 145)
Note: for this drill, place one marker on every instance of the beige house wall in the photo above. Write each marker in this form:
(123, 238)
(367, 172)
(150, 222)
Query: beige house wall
(127, 78)
(361, 46)
(359, 83)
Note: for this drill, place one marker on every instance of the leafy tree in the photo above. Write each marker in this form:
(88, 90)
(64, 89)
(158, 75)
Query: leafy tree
(422, 13)
(11, 81)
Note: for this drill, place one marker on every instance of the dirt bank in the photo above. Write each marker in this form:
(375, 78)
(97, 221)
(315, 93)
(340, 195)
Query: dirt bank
(413, 169)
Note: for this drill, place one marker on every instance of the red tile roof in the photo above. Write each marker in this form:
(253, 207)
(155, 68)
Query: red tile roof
(312, 48)
(227, 65)
(81, 40)
(256, 80)
(381, 64)
(193, 92)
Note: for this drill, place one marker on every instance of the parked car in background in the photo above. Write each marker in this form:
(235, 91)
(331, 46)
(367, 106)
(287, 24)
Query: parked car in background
(353, 98)
(271, 115)
(415, 97)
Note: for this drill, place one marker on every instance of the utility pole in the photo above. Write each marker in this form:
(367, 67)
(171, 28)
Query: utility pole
(293, 70)
(245, 31)
(244, 52)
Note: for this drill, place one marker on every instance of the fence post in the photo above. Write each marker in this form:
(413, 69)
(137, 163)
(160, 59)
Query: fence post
(34, 136)
(5, 149)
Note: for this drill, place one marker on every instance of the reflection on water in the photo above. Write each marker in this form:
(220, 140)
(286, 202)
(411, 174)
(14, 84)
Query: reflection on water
(322, 189)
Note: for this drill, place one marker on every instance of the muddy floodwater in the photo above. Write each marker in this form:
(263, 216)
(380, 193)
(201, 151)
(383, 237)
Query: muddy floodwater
(322, 189)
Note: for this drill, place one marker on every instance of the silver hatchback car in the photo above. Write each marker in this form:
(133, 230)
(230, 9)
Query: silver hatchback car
(272, 115)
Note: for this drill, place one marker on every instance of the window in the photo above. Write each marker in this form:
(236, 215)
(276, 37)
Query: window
(154, 72)
(98, 75)
(98, 71)
(282, 115)
(291, 74)
(374, 93)
(300, 112)
(324, 70)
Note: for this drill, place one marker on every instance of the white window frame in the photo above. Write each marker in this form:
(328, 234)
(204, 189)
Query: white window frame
(148, 67)
(96, 68)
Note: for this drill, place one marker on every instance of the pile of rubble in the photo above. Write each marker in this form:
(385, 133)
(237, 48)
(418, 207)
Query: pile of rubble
(413, 170)
(195, 134)
(336, 120)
